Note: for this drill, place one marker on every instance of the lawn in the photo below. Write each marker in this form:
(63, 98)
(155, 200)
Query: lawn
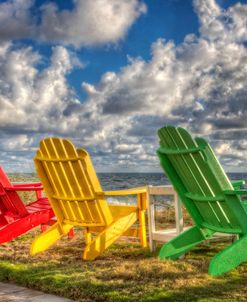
(125, 272)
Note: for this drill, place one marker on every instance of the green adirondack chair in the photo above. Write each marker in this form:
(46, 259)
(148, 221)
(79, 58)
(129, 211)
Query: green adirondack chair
(210, 198)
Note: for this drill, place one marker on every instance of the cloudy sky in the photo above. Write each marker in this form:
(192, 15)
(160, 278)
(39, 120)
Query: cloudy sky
(108, 73)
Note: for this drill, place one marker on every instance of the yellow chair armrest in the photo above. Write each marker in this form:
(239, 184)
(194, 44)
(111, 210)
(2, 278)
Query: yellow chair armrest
(142, 202)
(132, 191)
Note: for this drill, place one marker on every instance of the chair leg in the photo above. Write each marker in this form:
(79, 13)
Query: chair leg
(229, 258)
(44, 226)
(142, 228)
(110, 234)
(142, 199)
(23, 225)
(182, 243)
(88, 236)
(71, 233)
(49, 237)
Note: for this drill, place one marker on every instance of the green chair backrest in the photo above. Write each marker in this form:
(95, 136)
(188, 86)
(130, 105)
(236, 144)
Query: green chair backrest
(200, 181)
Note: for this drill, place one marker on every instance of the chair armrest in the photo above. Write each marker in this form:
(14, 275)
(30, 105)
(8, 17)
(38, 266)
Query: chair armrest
(24, 188)
(142, 202)
(134, 191)
(237, 183)
(235, 192)
(33, 184)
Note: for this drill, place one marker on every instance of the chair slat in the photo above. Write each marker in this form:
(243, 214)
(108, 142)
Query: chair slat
(204, 183)
(76, 196)
(10, 200)
(209, 182)
(73, 184)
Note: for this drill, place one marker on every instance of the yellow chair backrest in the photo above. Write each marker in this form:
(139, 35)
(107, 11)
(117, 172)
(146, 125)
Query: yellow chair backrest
(71, 184)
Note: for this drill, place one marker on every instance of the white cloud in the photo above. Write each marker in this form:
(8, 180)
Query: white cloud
(15, 19)
(87, 23)
(90, 22)
(17, 142)
(31, 99)
(199, 84)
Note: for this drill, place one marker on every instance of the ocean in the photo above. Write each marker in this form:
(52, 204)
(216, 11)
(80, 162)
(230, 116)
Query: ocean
(120, 181)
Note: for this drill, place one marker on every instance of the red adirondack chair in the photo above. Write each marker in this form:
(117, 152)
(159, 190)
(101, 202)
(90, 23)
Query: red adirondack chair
(16, 218)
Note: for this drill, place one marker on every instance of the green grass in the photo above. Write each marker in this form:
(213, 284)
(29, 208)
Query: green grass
(125, 272)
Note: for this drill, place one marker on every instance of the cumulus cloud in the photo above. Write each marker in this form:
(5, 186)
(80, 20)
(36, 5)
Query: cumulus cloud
(87, 23)
(15, 19)
(199, 84)
(30, 99)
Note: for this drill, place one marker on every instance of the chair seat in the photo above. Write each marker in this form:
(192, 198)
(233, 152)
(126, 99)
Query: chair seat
(121, 211)
(39, 205)
(17, 217)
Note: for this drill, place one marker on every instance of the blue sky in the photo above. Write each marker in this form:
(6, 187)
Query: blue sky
(166, 19)
(171, 20)
(107, 74)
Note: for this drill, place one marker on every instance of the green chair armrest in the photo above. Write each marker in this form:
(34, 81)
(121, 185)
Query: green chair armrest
(235, 192)
(237, 183)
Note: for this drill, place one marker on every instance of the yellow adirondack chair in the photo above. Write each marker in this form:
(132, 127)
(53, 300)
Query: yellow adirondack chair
(77, 199)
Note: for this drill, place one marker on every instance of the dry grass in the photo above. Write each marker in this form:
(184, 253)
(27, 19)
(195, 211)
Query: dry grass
(125, 272)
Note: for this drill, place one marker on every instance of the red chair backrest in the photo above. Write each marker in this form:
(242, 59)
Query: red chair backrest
(9, 200)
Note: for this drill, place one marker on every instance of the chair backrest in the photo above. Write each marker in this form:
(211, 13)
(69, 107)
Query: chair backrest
(71, 184)
(10, 202)
(199, 179)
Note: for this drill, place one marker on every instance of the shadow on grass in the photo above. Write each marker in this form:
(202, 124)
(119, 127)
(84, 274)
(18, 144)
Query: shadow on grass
(125, 272)
(90, 283)
(230, 289)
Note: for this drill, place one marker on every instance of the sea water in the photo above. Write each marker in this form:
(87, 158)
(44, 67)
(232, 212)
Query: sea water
(120, 181)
